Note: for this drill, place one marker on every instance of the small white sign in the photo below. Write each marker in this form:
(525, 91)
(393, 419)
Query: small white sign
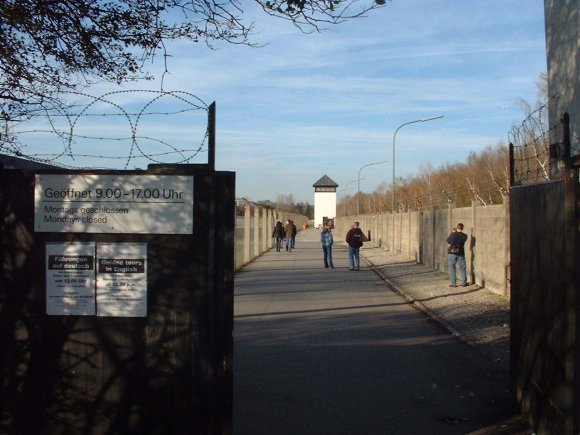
(92, 203)
(70, 279)
(122, 279)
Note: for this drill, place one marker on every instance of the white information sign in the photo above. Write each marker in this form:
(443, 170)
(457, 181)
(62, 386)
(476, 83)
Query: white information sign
(92, 203)
(70, 279)
(122, 279)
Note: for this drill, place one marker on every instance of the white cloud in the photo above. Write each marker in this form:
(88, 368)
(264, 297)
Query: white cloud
(327, 103)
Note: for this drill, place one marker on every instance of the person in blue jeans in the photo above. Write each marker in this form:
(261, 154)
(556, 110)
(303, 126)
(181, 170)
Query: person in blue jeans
(290, 230)
(294, 231)
(327, 240)
(354, 239)
(456, 255)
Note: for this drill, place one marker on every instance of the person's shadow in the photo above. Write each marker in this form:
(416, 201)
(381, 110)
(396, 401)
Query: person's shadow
(472, 241)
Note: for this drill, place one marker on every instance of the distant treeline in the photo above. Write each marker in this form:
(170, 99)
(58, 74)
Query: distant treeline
(286, 204)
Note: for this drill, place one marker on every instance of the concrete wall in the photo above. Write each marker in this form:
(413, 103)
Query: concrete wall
(545, 352)
(422, 236)
(493, 253)
(563, 53)
(253, 235)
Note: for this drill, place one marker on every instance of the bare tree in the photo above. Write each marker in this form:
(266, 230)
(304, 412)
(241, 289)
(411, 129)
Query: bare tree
(346, 206)
(285, 202)
(484, 176)
(48, 47)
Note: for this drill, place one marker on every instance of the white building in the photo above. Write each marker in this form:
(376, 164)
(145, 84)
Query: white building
(324, 200)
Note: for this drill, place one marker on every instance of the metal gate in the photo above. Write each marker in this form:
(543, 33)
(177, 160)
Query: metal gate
(545, 306)
(158, 361)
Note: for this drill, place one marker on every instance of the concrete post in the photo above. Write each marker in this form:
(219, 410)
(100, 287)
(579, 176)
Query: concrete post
(256, 231)
(450, 216)
(247, 232)
(420, 240)
(264, 234)
(472, 239)
(434, 263)
(409, 233)
(507, 258)
(269, 229)
(392, 241)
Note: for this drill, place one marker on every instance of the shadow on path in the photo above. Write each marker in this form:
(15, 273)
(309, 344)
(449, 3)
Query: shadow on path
(330, 351)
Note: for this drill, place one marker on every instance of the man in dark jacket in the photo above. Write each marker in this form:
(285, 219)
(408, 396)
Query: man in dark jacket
(354, 239)
(290, 230)
(279, 235)
(294, 232)
(456, 255)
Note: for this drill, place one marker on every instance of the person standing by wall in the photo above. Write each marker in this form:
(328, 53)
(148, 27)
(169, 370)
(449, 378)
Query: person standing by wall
(354, 239)
(327, 240)
(456, 255)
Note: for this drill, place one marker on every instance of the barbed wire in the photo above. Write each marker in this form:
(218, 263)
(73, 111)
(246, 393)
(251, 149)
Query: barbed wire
(531, 146)
(114, 130)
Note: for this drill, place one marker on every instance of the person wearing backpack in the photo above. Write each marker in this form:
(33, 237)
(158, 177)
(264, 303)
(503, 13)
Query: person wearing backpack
(354, 240)
(278, 235)
(456, 255)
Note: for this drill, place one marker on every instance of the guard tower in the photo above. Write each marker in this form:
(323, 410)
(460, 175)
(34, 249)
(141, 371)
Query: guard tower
(324, 200)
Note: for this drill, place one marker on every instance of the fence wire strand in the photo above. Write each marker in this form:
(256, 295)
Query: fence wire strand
(531, 147)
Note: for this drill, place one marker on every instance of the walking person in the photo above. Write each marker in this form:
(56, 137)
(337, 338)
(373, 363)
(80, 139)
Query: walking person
(278, 235)
(354, 239)
(456, 255)
(288, 228)
(294, 231)
(327, 240)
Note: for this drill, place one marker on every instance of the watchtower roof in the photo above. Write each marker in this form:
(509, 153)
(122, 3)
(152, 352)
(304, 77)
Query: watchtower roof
(325, 181)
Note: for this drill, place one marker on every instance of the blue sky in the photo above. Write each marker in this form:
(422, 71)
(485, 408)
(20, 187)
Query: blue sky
(328, 103)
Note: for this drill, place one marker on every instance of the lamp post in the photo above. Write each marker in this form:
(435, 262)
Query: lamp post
(394, 137)
(350, 182)
(358, 192)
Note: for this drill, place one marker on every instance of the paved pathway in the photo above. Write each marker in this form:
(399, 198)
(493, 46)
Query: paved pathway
(333, 351)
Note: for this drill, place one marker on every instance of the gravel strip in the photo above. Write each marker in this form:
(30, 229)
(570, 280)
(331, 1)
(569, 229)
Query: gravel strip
(474, 314)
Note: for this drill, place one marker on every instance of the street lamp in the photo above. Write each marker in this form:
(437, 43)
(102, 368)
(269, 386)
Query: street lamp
(394, 136)
(350, 182)
(359, 171)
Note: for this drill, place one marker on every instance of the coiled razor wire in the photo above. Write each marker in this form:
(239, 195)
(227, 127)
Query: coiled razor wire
(531, 147)
(103, 132)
